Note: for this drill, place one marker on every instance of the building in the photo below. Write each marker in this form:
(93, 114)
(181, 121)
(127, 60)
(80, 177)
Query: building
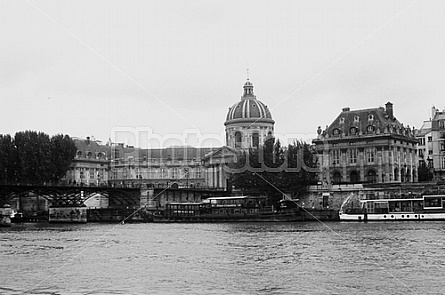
(367, 146)
(248, 123)
(431, 148)
(91, 165)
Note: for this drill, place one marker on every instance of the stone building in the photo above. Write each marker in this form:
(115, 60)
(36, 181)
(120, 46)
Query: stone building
(91, 165)
(249, 121)
(367, 146)
(248, 124)
(431, 148)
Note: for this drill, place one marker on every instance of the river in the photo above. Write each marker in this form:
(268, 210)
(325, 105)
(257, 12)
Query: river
(226, 258)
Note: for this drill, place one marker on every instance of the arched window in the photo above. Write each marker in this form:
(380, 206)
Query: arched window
(371, 176)
(238, 139)
(337, 177)
(408, 175)
(354, 177)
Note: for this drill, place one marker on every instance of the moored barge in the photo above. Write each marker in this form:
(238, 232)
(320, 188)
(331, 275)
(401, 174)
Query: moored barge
(427, 207)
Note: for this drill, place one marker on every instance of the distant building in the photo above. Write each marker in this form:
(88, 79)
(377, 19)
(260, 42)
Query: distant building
(367, 146)
(96, 164)
(249, 122)
(431, 149)
(91, 165)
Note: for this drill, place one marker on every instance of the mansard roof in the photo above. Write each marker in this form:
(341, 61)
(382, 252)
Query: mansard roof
(365, 123)
(90, 149)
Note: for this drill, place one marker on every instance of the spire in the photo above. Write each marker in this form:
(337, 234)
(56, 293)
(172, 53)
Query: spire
(248, 89)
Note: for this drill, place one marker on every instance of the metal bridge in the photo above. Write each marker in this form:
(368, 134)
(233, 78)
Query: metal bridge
(71, 195)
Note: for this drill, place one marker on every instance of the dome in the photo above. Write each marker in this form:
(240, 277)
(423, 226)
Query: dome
(249, 108)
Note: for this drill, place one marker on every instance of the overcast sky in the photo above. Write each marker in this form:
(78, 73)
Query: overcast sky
(88, 68)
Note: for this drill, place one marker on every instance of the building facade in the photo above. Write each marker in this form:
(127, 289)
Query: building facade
(431, 148)
(248, 124)
(367, 146)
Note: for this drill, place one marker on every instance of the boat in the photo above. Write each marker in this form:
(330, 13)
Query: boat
(426, 207)
(228, 209)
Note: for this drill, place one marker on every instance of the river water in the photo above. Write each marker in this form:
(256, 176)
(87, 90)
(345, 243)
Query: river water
(226, 258)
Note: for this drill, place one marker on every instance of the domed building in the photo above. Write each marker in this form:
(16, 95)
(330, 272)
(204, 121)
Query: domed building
(249, 122)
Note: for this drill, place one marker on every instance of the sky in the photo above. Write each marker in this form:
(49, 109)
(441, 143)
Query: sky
(145, 72)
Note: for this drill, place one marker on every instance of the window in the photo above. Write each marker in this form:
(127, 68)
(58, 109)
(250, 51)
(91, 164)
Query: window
(255, 140)
(116, 154)
(353, 131)
(336, 157)
(370, 128)
(370, 156)
(336, 132)
(164, 173)
(353, 156)
(371, 117)
(356, 118)
(430, 138)
(342, 120)
(238, 139)
(443, 163)
(175, 173)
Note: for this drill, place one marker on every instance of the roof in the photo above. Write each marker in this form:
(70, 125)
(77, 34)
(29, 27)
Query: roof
(84, 146)
(365, 122)
(249, 108)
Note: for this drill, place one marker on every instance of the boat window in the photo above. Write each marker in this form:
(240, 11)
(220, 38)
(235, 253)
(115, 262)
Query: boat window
(394, 206)
(433, 202)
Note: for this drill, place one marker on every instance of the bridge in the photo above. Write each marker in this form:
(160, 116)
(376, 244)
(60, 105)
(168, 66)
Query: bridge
(67, 203)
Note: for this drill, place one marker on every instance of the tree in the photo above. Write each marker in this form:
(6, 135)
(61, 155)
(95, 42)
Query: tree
(63, 151)
(425, 173)
(272, 169)
(35, 158)
(7, 158)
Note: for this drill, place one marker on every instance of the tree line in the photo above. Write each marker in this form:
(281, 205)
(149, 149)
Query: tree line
(274, 169)
(31, 157)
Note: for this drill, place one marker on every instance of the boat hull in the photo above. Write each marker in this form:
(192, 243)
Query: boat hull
(391, 216)
(294, 216)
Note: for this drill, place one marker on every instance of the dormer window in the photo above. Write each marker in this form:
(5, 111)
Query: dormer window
(342, 120)
(356, 118)
(336, 132)
(353, 131)
(370, 128)
(371, 117)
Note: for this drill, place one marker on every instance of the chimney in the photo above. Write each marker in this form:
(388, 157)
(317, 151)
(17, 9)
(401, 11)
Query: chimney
(389, 110)
(88, 140)
(346, 109)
